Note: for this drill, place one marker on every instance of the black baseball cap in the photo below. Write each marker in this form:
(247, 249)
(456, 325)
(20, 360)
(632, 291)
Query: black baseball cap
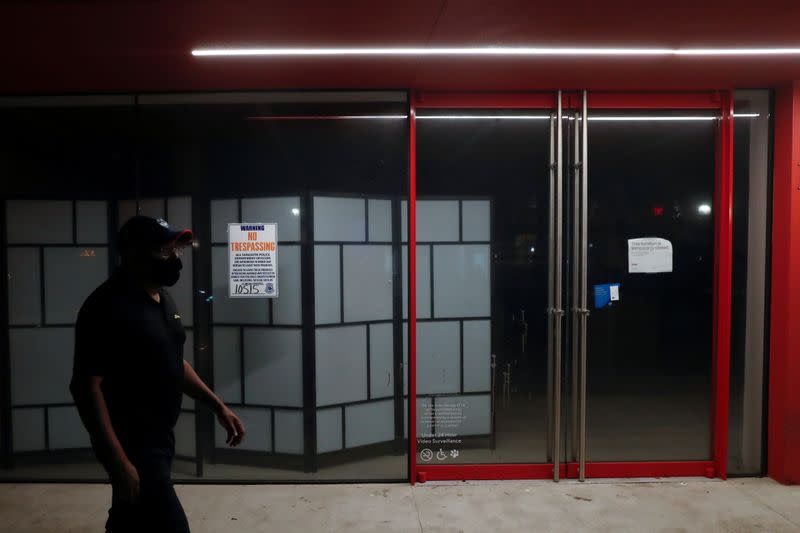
(142, 233)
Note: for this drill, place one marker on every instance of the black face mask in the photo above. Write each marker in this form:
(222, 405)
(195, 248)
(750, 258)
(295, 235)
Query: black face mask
(166, 272)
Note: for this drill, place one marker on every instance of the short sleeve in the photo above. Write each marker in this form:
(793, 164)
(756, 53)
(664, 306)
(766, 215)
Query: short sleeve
(92, 336)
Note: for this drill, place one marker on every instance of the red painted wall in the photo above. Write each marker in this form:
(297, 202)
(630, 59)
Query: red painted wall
(57, 46)
(784, 373)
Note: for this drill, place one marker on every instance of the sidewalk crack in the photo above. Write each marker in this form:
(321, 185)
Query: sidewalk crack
(416, 508)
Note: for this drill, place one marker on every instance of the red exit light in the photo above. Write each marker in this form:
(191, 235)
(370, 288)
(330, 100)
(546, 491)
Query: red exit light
(658, 211)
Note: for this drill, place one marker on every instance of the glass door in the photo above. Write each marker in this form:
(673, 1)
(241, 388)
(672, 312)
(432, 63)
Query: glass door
(569, 310)
(648, 284)
(486, 169)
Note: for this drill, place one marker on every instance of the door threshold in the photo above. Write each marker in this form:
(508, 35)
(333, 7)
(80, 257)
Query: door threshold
(619, 480)
(594, 481)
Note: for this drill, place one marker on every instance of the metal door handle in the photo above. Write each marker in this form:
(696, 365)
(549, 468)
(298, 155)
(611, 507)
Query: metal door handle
(557, 313)
(575, 297)
(582, 309)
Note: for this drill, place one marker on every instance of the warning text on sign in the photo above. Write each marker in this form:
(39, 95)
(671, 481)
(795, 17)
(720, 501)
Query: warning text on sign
(253, 260)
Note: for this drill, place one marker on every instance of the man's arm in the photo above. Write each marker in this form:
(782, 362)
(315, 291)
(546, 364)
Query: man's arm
(197, 389)
(93, 411)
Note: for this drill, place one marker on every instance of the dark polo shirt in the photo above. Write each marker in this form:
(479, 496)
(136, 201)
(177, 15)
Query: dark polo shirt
(136, 345)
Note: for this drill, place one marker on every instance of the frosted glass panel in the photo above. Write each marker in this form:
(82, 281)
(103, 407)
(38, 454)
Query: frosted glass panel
(188, 356)
(288, 431)
(339, 219)
(92, 222)
(437, 220)
(182, 291)
(461, 280)
(66, 428)
(404, 220)
(227, 364)
(188, 348)
(438, 357)
(341, 364)
(259, 430)
(380, 220)
(233, 310)
(329, 430)
(185, 440)
(405, 417)
(367, 282)
(70, 276)
(41, 365)
(180, 212)
(424, 417)
(223, 212)
(39, 221)
(477, 355)
(405, 358)
(423, 281)
(24, 286)
(381, 354)
(404, 270)
(475, 220)
(126, 209)
(28, 429)
(283, 211)
(273, 367)
(369, 423)
(477, 414)
(327, 284)
(152, 207)
(287, 308)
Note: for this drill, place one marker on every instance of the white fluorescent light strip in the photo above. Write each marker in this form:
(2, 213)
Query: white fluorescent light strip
(328, 117)
(667, 118)
(513, 117)
(376, 117)
(633, 118)
(736, 51)
(491, 51)
(483, 117)
(371, 117)
(547, 117)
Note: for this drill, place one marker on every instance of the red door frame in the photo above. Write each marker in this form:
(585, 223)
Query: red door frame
(723, 246)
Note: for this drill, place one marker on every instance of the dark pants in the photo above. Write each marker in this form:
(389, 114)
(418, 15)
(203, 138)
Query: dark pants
(157, 509)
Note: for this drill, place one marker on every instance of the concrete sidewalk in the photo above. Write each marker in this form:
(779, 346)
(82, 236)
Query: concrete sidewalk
(740, 505)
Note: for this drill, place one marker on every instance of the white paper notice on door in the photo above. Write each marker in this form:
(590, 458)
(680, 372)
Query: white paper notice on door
(614, 296)
(649, 255)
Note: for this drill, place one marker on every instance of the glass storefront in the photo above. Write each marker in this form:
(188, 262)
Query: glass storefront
(625, 382)
(316, 374)
(482, 273)
(319, 375)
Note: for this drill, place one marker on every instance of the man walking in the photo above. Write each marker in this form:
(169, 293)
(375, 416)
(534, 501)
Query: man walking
(129, 377)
